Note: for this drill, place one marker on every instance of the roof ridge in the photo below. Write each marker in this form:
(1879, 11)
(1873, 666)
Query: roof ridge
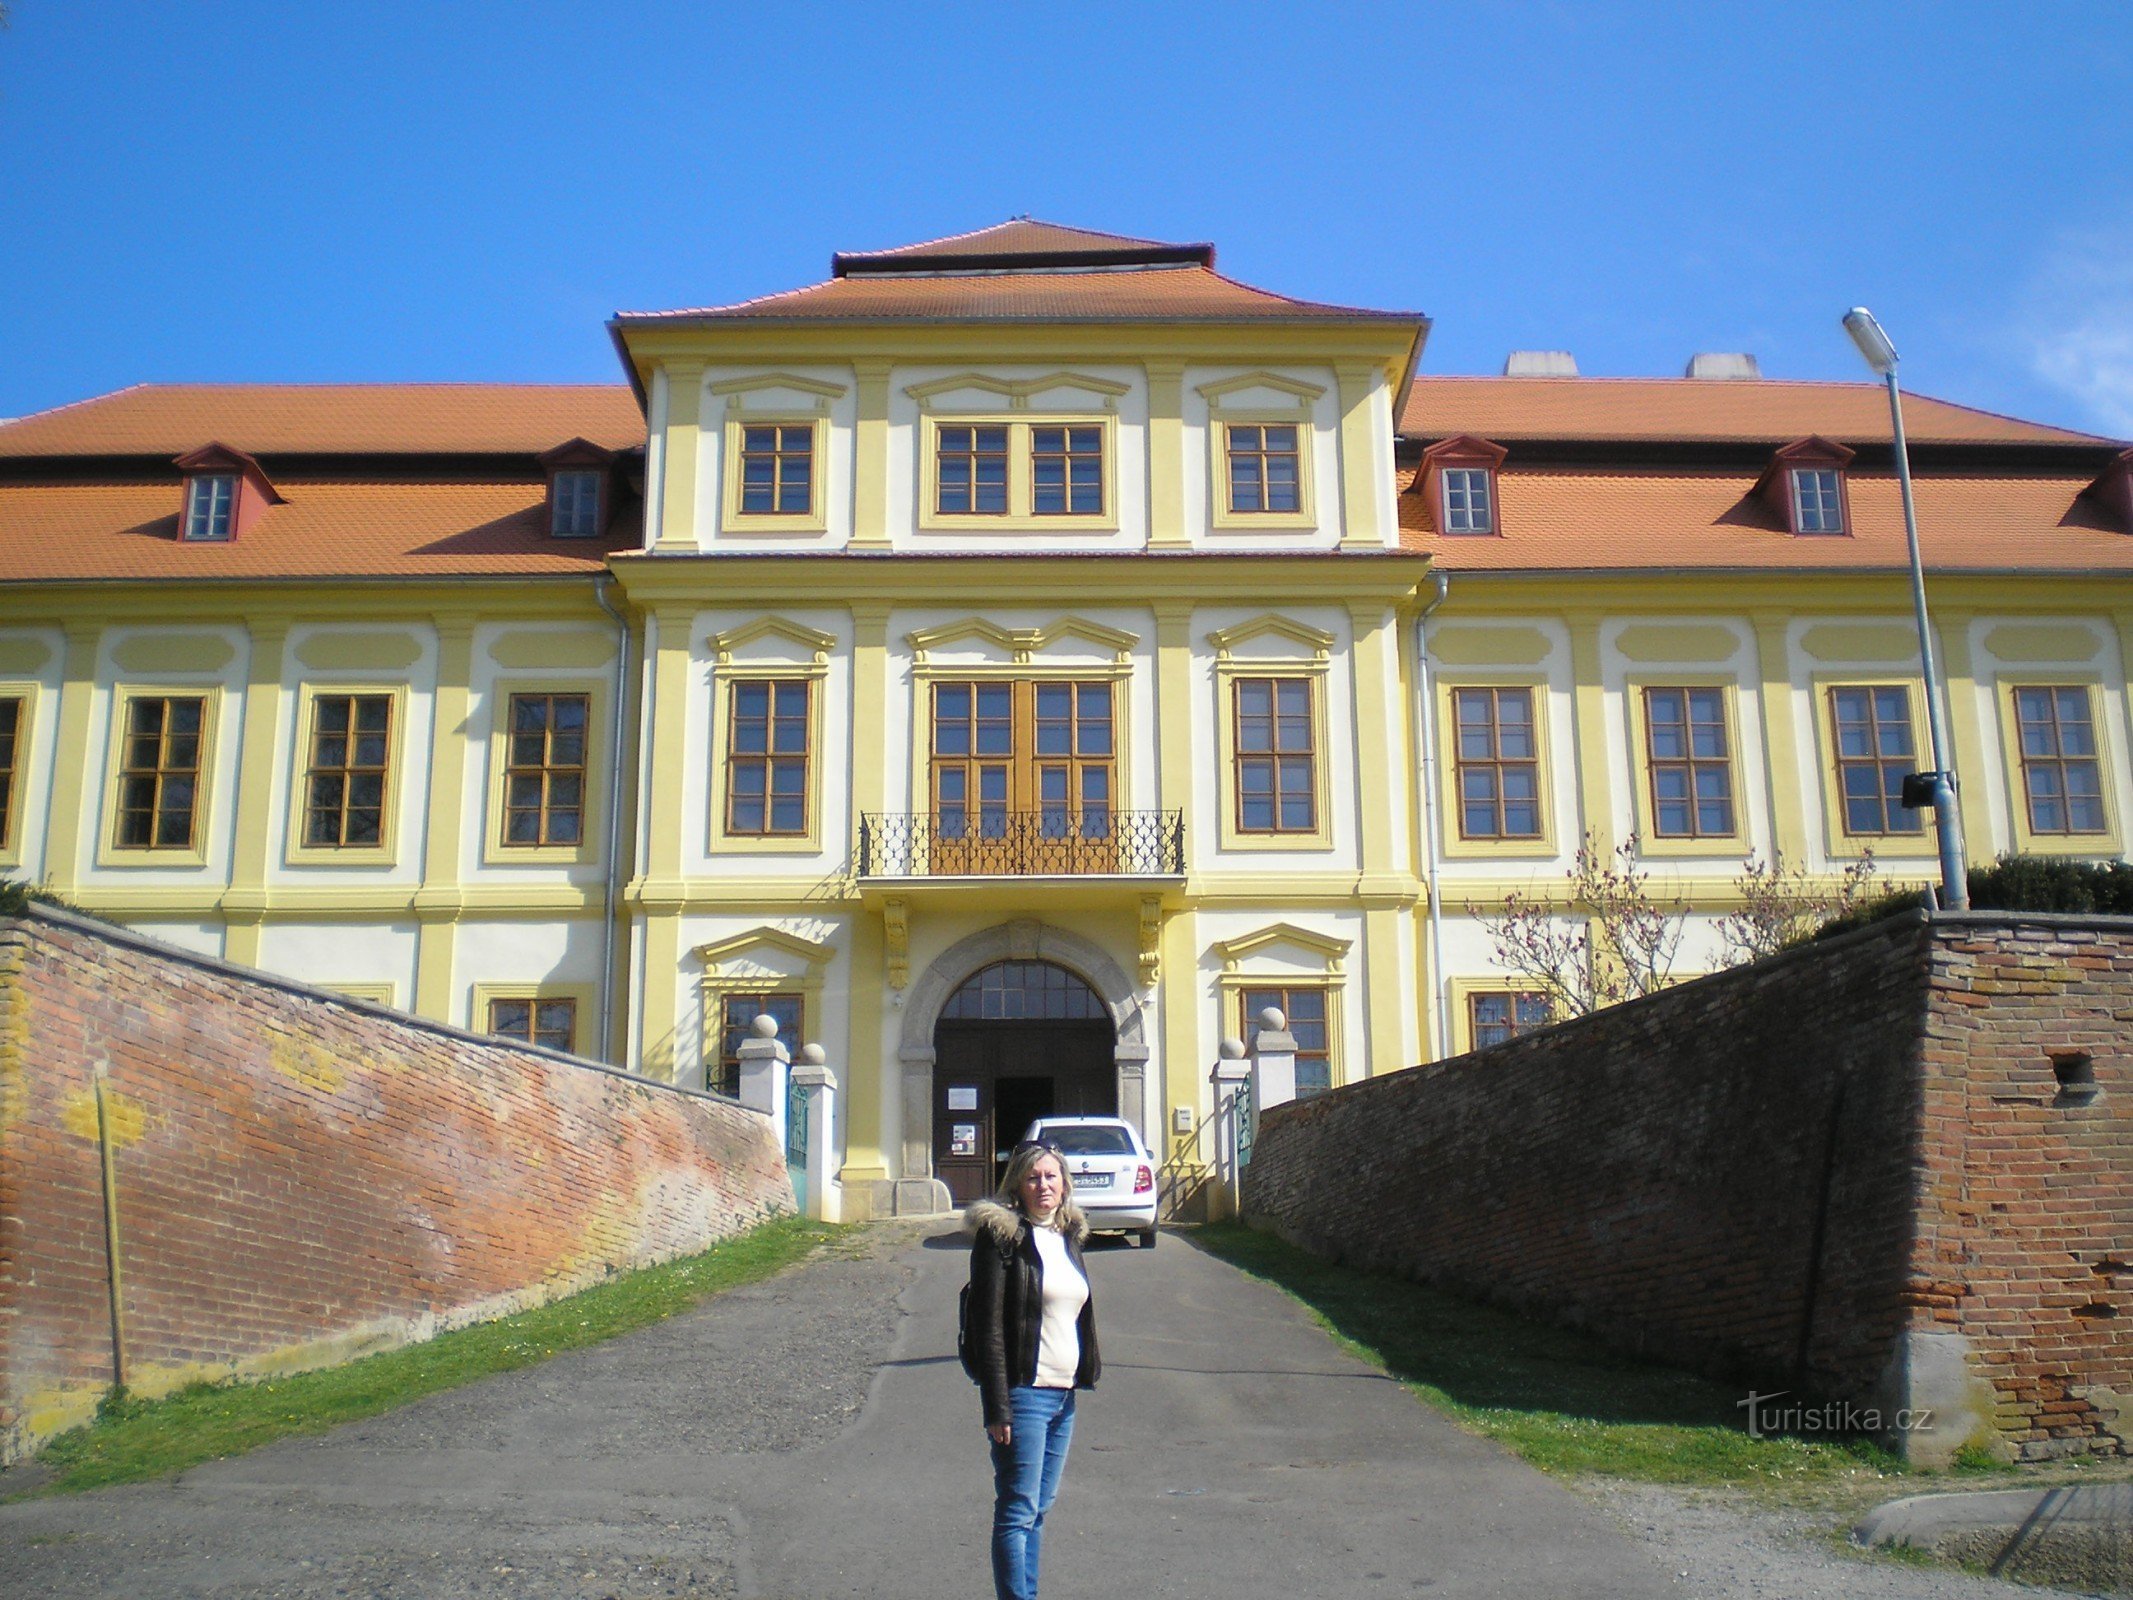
(1311, 305)
(2004, 416)
(1075, 227)
(69, 405)
(946, 238)
(1651, 377)
(730, 305)
(1007, 222)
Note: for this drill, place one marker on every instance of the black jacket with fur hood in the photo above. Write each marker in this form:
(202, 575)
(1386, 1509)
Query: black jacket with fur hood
(1007, 1301)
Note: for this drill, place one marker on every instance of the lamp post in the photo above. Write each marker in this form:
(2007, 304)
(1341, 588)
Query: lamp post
(1880, 355)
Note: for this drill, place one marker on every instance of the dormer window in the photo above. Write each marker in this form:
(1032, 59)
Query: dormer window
(1467, 501)
(225, 492)
(1817, 505)
(575, 504)
(1458, 481)
(579, 476)
(1804, 483)
(2113, 492)
(211, 507)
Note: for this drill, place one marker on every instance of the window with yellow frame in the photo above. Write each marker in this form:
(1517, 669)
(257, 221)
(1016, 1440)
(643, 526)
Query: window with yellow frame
(1494, 776)
(350, 739)
(1273, 737)
(1685, 748)
(775, 453)
(2060, 776)
(552, 1015)
(1310, 1010)
(14, 741)
(548, 744)
(159, 786)
(1870, 731)
(766, 736)
(1261, 466)
(982, 473)
(775, 471)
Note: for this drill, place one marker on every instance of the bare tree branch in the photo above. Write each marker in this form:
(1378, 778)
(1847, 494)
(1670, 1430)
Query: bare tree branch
(1606, 942)
(1782, 905)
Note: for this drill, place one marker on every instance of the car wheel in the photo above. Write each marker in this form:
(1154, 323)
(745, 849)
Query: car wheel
(1148, 1238)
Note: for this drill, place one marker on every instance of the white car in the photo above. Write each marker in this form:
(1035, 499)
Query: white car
(1112, 1168)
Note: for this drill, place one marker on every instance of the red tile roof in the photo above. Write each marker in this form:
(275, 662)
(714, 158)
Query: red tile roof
(1142, 294)
(331, 419)
(1019, 240)
(1585, 519)
(60, 532)
(1507, 410)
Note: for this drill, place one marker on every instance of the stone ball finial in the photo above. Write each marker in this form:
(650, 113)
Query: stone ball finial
(1232, 1049)
(765, 1026)
(1273, 1020)
(813, 1055)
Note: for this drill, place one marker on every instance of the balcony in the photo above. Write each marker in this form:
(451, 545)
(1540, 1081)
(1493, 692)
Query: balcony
(1050, 843)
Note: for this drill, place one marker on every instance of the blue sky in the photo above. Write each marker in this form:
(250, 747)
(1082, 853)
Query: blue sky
(276, 191)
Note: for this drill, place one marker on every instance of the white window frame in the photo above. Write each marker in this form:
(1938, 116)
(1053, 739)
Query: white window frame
(1466, 477)
(211, 508)
(1828, 513)
(576, 501)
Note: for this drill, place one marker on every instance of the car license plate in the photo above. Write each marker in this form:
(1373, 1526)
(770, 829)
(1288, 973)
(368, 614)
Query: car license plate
(1092, 1180)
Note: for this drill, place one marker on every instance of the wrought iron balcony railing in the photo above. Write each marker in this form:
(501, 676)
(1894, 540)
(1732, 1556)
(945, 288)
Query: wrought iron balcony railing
(1035, 844)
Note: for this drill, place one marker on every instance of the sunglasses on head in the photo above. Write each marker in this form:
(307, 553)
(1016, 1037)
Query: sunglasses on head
(1045, 1145)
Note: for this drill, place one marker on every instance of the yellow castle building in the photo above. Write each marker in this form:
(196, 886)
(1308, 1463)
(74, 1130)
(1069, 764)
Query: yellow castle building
(1013, 663)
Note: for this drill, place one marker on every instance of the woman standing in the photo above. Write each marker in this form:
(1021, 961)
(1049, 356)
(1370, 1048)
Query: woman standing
(1032, 1330)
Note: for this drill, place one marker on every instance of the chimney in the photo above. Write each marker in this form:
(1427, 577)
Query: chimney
(1723, 364)
(1540, 364)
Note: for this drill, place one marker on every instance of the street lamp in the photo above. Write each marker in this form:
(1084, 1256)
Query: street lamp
(1935, 788)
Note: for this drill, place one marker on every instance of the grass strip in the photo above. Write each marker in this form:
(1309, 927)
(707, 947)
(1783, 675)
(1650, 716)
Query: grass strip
(1562, 1401)
(132, 1440)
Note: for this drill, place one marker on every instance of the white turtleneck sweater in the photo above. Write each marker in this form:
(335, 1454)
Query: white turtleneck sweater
(1066, 1291)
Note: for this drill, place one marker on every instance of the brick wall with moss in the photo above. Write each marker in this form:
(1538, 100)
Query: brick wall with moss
(1786, 1174)
(301, 1179)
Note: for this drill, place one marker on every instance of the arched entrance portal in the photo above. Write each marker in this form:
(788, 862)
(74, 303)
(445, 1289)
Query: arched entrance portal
(1019, 1040)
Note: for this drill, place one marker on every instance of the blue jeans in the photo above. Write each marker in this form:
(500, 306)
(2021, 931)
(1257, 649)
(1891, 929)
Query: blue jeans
(1025, 1479)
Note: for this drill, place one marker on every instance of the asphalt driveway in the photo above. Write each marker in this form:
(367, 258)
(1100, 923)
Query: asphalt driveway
(812, 1438)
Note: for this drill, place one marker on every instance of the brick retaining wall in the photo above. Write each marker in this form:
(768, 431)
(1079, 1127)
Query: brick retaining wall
(303, 1179)
(1848, 1172)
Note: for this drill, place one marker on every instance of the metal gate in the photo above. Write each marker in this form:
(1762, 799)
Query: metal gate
(797, 1103)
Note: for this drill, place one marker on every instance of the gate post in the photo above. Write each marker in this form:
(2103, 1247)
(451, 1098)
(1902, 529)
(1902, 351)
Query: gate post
(1273, 1062)
(816, 1085)
(764, 1059)
(1231, 1076)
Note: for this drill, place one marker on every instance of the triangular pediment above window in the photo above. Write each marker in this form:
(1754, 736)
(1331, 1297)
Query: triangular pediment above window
(1245, 390)
(1016, 392)
(1229, 641)
(576, 453)
(812, 641)
(770, 391)
(215, 456)
(1812, 451)
(1020, 645)
(766, 953)
(1300, 946)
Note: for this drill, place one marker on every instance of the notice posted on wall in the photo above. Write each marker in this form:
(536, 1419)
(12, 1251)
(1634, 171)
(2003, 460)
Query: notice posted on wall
(963, 1139)
(962, 1097)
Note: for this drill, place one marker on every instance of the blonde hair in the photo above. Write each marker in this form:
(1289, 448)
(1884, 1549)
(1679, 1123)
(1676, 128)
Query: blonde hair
(1020, 1165)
